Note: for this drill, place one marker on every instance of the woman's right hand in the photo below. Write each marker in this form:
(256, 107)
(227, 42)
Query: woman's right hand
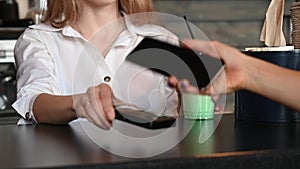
(96, 105)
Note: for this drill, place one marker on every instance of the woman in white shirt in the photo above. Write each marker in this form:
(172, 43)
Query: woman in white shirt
(49, 57)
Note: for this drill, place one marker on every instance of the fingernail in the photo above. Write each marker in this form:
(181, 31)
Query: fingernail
(182, 85)
(217, 108)
(111, 116)
(108, 125)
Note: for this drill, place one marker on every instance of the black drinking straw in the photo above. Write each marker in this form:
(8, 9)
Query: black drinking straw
(189, 28)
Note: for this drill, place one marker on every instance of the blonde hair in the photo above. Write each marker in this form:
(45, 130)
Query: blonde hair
(60, 13)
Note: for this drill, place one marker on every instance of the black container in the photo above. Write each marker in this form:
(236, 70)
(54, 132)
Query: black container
(9, 10)
(254, 107)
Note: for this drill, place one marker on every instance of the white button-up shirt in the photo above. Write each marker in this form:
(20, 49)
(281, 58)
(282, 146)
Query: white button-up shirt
(59, 61)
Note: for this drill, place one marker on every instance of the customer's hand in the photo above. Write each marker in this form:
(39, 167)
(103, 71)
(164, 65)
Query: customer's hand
(233, 76)
(96, 105)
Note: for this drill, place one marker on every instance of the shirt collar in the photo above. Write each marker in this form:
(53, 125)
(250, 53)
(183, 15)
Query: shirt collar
(131, 31)
(66, 31)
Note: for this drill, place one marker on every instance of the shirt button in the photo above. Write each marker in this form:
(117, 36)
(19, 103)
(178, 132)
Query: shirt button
(27, 116)
(107, 79)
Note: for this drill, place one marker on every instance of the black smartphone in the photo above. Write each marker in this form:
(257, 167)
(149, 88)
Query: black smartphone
(168, 59)
(144, 119)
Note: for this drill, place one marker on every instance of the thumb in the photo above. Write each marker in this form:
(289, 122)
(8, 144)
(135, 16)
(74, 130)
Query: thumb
(217, 85)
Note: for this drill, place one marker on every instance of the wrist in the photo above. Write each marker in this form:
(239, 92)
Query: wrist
(252, 73)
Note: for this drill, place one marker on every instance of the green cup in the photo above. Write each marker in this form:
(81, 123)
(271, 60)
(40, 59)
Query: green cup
(197, 106)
